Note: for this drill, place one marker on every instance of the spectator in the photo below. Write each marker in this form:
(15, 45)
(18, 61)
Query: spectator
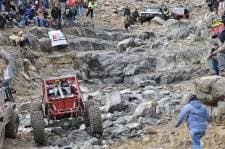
(74, 13)
(126, 11)
(81, 7)
(196, 115)
(77, 4)
(68, 14)
(56, 15)
(91, 7)
(220, 54)
(39, 19)
(213, 60)
(20, 21)
(9, 19)
(2, 21)
(135, 15)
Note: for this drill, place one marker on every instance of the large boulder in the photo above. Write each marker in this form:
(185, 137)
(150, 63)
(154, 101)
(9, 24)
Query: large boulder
(123, 45)
(210, 89)
(113, 103)
(45, 44)
(146, 109)
(108, 64)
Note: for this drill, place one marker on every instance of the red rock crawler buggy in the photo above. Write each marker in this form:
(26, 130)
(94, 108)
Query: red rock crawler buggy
(62, 106)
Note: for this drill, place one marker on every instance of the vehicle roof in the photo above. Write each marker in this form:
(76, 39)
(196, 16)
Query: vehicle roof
(57, 78)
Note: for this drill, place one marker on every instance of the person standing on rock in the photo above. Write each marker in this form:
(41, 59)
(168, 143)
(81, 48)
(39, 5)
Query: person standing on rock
(213, 60)
(219, 54)
(135, 15)
(197, 116)
(56, 15)
(91, 7)
(126, 11)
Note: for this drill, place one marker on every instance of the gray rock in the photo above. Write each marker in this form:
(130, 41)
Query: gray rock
(146, 109)
(132, 126)
(106, 116)
(123, 45)
(210, 89)
(45, 44)
(107, 124)
(113, 103)
(25, 120)
(88, 44)
(24, 107)
(78, 136)
(147, 83)
(123, 120)
(119, 129)
(146, 35)
(149, 94)
(158, 20)
(180, 33)
(58, 131)
(94, 141)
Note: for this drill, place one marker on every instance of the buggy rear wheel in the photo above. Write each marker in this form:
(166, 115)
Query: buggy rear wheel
(87, 104)
(95, 120)
(2, 134)
(35, 106)
(12, 126)
(37, 123)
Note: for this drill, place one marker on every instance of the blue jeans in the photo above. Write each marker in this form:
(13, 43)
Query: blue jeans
(80, 10)
(196, 136)
(46, 4)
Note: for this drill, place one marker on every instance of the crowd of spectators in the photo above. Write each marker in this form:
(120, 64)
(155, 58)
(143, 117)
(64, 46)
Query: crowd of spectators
(23, 13)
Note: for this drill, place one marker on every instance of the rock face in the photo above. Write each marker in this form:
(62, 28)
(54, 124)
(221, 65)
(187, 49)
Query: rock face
(87, 44)
(210, 89)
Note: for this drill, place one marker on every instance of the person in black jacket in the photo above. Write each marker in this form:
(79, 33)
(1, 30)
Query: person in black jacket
(126, 11)
(135, 15)
(56, 15)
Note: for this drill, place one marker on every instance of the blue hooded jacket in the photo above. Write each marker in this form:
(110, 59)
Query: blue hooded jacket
(196, 114)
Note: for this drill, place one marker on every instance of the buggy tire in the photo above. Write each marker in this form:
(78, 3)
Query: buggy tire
(37, 123)
(95, 120)
(12, 126)
(35, 106)
(2, 134)
(87, 104)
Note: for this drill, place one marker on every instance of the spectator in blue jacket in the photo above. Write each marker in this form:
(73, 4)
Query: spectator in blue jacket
(196, 115)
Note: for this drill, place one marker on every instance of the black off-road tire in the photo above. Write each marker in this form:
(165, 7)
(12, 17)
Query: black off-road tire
(87, 104)
(37, 123)
(2, 134)
(35, 106)
(12, 126)
(95, 120)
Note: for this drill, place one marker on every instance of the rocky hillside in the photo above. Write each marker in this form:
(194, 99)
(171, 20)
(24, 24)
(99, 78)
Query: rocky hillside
(139, 79)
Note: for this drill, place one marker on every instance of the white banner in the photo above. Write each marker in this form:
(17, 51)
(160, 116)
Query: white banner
(178, 11)
(57, 38)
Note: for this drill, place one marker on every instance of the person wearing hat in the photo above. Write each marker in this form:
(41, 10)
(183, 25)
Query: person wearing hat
(197, 116)
(219, 53)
